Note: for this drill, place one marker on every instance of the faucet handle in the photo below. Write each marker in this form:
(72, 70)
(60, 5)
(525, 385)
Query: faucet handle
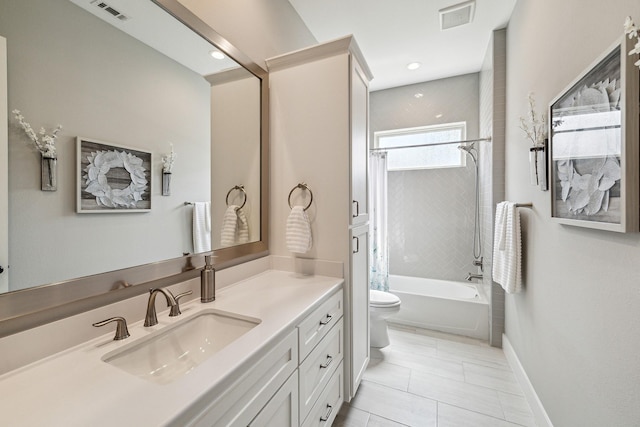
(121, 328)
(175, 309)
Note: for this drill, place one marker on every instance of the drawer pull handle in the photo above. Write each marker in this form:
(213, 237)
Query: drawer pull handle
(357, 209)
(326, 320)
(328, 362)
(357, 249)
(327, 415)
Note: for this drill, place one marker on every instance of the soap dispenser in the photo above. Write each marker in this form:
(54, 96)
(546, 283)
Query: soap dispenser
(207, 281)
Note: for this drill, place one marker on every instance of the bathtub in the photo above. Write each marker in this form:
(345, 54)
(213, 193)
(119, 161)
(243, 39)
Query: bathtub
(441, 305)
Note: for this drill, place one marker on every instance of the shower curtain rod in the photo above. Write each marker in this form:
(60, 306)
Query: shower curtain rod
(431, 145)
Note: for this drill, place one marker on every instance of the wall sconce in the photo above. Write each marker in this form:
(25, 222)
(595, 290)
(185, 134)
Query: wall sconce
(46, 146)
(538, 166)
(167, 167)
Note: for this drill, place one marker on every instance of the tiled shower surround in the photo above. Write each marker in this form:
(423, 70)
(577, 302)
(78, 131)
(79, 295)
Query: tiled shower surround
(431, 222)
(430, 211)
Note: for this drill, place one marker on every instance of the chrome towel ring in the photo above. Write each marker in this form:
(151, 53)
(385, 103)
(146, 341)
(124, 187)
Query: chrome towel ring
(303, 186)
(241, 189)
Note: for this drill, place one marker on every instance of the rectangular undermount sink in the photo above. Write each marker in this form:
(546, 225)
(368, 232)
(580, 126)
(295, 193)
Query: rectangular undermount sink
(178, 349)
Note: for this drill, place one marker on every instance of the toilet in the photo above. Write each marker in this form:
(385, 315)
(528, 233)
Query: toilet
(381, 306)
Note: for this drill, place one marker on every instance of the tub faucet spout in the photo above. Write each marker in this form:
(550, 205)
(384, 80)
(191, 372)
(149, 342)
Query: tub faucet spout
(471, 276)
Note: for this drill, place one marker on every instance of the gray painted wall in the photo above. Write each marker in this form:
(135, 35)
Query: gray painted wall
(259, 29)
(430, 211)
(66, 66)
(492, 123)
(576, 327)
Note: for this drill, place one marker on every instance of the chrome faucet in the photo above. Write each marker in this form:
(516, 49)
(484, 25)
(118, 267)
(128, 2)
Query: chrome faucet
(151, 318)
(471, 276)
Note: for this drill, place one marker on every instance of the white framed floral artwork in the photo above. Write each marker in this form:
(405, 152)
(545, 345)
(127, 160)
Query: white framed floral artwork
(594, 145)
(112, 178)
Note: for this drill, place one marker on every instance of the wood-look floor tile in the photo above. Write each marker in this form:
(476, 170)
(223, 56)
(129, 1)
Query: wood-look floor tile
(495, 378)
(388, 374)
(376, 421)
(351, 417)
(516, 409)
(399, 406)
(457, 393)
(452, 416)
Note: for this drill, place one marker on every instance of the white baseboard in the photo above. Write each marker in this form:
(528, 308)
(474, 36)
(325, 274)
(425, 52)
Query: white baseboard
(539, 413)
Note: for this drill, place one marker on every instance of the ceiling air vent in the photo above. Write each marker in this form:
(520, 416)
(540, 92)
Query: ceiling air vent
(456, 15)
(110, 10)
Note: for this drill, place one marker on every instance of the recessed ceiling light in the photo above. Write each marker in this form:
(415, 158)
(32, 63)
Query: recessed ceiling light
(217, 54)
(413, 66)
(438, 115)
(418, 95)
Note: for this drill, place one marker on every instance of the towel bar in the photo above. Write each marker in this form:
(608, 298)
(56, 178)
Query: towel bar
(241, 189)
(524, 205)
(302, 186)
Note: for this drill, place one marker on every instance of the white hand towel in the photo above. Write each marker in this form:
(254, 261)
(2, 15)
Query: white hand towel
(229, 226)
(507, 248)
(243, 227)
(201, 227)
(298, 231)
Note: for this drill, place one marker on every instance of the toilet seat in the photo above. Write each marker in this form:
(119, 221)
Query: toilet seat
(383, 299)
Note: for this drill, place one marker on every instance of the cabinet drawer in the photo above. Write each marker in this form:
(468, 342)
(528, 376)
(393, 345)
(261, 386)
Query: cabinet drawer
(326, 408)
(318, 367)
(317, 324)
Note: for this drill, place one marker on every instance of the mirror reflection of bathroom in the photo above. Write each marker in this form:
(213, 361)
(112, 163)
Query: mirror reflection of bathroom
(204, 108)
(429, 172)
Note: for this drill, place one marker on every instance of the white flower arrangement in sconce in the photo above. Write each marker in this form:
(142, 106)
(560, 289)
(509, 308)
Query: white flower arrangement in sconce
(167, 166)
(44, 143)
(534, 125)
(168, 160)
(632, 31)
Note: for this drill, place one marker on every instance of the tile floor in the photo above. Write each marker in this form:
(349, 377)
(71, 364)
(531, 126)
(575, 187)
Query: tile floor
(430, 379)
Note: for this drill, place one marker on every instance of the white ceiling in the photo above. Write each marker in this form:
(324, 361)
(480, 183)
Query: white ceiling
(392, 34)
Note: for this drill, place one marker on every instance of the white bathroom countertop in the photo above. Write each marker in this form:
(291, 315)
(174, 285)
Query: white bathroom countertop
(76, 388)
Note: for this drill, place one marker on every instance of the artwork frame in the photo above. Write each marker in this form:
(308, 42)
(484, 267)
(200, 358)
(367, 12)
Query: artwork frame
(102, 164)
(593, 145)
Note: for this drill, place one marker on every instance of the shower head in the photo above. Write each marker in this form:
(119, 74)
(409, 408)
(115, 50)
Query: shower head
(470, 150)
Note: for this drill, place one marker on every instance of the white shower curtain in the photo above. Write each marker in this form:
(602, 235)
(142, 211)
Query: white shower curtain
(379, 263)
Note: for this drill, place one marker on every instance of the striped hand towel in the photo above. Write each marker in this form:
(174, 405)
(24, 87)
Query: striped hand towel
(243, 227)
(298, 231)
(229, 226)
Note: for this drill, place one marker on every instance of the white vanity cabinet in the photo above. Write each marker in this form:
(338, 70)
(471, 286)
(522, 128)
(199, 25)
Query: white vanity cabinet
(360, 349)
(252, 393)
(321, 354)
(359, 113)
(319, 104)
(282, 409)
(288, 386)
